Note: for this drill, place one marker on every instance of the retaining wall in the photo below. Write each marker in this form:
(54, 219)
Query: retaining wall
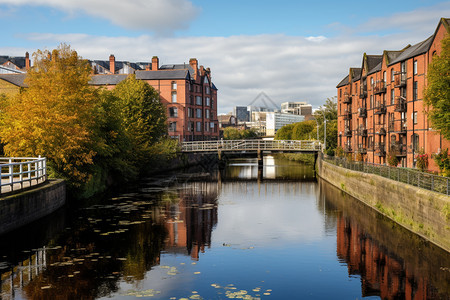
(25, 207)
(424, 212)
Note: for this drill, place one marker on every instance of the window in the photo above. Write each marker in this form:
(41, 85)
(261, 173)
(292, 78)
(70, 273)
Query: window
(199, 126)
(371, 101)
(340, 93)
(371, 82)
(392, 75)
(172, 126)
(207, 114)
(384, 76)
(173, 112)
(208, 90)
(191, 126)
(415, 67)
(198, 112)
(211, 125)
(198, 100)
(392, 96)
(206, 126)
(415, 142)
(415, 90)
(190, 112)
(174, 97)
(208, 102)
(414, 117)
(191, 100)
(174, 85)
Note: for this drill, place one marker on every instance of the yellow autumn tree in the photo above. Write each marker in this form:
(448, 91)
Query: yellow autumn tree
(54, 116)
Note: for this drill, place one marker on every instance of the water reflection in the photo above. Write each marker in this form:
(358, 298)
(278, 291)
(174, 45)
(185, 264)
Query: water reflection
(225, 234)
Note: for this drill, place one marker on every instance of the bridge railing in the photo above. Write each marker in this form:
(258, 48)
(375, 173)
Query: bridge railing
(19, 172)
(241, 145)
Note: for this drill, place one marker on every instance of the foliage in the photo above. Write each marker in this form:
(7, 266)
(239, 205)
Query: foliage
(329, 109)
(53, 116)
(422, 160)
(359, 156)
(339, 151)
(437, 93)
(142, 114)
(392, 159)
(331, 152)
(443, 161)
(231, 133)
(304, 130)
(285, 132)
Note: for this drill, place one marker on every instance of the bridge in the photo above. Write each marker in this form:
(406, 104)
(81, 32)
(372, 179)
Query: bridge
(257, 147)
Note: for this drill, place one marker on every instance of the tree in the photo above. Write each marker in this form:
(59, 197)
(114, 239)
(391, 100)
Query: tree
(53, 117)
(231, 133)
(143, 116)
(437, 93)
(305, 130)
(329, 109)
(285, 132)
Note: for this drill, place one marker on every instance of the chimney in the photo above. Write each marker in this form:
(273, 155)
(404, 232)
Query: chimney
(155, 63)
(112, 64)
(147, 67)
(194, 64)
(27, 60)
(202, 71)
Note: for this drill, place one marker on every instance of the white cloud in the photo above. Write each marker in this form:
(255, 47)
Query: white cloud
(160, 16)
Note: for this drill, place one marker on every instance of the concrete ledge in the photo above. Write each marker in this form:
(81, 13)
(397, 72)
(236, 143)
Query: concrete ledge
(424, 212)
(20, 209)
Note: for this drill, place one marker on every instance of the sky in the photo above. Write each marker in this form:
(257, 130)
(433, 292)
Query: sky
(290, 50)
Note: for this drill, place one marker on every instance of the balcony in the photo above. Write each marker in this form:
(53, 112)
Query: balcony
(398, 126)
(398, 149)
(399, 79)
(380, 130)
(347, 148)
(380, 87)
(362, 131)
(348, 132)
(362, 149)
(348, 114)
(362, 112)
(363, 91)
(380, 149)
(347, 98)
(400, 104)
(380, 108)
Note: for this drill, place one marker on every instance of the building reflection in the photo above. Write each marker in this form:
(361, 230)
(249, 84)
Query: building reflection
(191, 219)
(390, 265)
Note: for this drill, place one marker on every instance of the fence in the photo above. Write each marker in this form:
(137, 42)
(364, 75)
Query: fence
(19, 172)
(423, 180)
(242, 145)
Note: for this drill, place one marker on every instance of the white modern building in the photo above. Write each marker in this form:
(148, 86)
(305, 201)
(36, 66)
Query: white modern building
(276, 120)
(296, 108)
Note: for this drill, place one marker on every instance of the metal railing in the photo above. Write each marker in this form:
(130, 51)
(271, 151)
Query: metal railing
(243, 145)
(19, 172)
(413, 177)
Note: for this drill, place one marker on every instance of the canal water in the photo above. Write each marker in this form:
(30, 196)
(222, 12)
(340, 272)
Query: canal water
(243, 232)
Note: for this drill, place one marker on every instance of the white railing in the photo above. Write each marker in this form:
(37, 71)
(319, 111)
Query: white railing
(243, 145)
(20, 172)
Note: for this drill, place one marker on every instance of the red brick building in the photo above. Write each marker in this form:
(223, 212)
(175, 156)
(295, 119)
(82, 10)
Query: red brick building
(186, 90)
(381, 109)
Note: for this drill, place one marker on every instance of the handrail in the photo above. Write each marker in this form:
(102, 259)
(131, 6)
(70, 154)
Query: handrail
(15, 171)
(242, 145)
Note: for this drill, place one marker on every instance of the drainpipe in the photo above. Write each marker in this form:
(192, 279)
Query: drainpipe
(413, 142)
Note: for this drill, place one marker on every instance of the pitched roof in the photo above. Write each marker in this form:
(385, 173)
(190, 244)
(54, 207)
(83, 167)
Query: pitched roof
(414, 50)
(373, 61)
(162, 74)
(109, 79)
(343, 82)
(356, 74)
(179, 67)
(19, 61)
(16, 79)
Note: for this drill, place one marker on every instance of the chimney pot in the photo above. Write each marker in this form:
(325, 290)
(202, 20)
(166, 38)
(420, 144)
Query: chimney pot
(27, 60)
(112, 64)
(194, 64)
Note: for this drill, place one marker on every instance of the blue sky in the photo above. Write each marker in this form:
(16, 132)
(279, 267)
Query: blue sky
(292, 50)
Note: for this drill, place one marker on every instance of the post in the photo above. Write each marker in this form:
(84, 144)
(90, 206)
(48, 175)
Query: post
(11, 180)
(325, 133)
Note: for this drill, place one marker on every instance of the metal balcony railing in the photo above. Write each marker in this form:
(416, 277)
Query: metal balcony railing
(399, 79)
(380, 87)
(398, 126)
(400, 104)
(380, 108)
(380, 149)
(398, 149)
(362, 112)
(362, 131)
(347, 98)
(348, 114)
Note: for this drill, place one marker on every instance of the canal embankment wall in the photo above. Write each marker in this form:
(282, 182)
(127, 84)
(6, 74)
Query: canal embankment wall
(424, 212)
(21, 208)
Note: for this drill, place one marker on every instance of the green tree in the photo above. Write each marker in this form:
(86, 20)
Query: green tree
(143, 116)
(285, 132)
(305, 130)
(231, 133)
(53, 117)
(437, 93)
(329, 109)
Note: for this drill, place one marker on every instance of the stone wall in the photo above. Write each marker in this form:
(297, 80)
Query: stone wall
(424, 212)
(19, 209)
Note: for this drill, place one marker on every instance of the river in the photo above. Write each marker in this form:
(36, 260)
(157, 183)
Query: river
(243, 232)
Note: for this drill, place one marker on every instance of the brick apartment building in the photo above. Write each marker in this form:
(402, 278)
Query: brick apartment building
(186, 90)
(381, 109)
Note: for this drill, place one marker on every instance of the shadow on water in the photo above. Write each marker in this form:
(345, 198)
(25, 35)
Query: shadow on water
(393, 262)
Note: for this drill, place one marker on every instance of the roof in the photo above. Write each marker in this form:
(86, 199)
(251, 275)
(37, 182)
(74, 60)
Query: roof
(107, 79)
(375, 69)
(356, 74)
(179, 67)
(19, 61)
(16, 79)
(163, 74)
(225, 118)
(414, 50)
(372, 62)
(118, 65)
(343, 82)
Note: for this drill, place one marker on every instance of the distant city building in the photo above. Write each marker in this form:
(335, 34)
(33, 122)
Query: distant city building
(14, 65)
(241, 113)
(276, 120)
(296, 108)
(226, 121)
